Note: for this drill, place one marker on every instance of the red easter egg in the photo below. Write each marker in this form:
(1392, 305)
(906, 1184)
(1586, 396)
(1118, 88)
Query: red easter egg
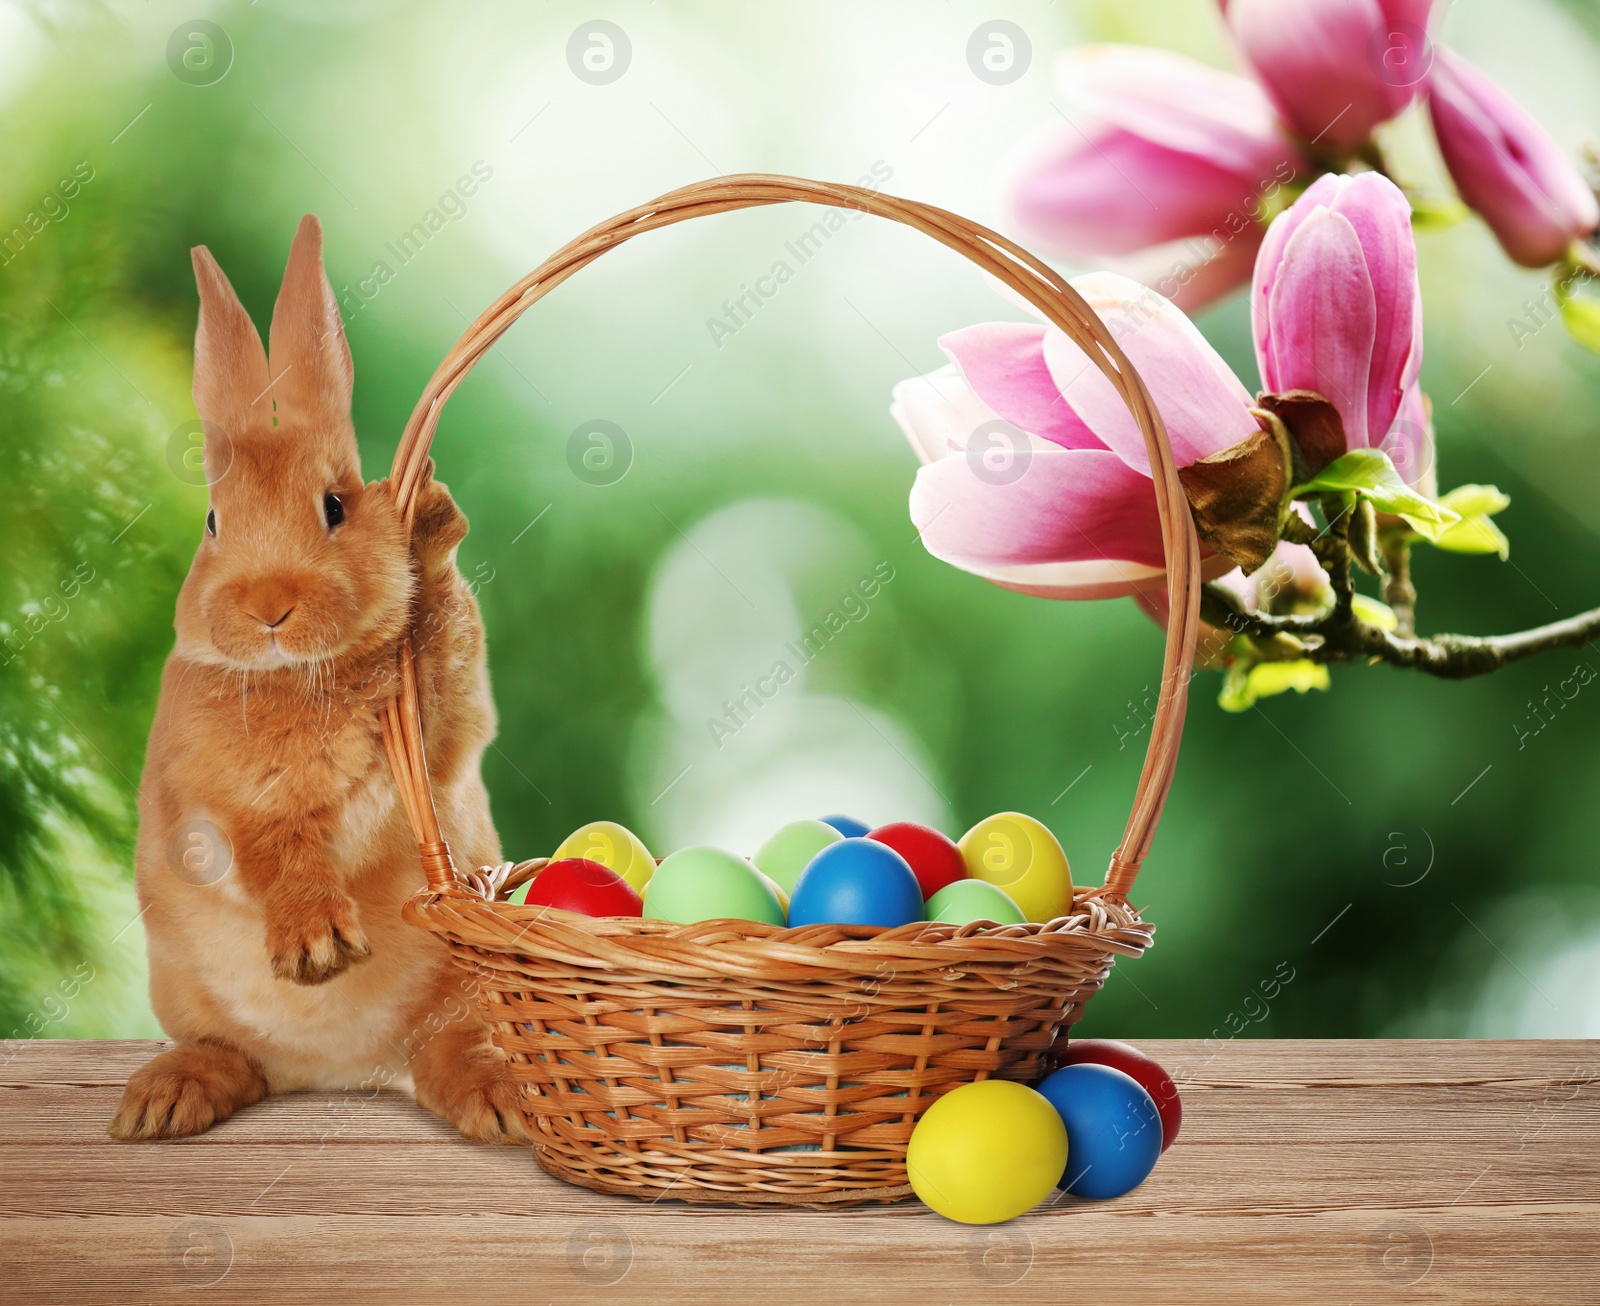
(934, 859)
(577, 884)
(1134, 1063)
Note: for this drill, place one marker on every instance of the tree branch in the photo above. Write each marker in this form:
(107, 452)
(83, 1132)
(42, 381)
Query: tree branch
(1451, 657)
(1398, 591)
(1455, 657)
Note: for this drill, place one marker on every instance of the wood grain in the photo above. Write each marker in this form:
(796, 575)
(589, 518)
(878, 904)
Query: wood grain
(1318, 1171)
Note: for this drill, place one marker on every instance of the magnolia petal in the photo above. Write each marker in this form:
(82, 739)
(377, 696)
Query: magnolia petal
(1196, 272)
(1086, 189)
(1076, 580)
(1316, 60)
(1203, 404)
(1061, 505)
(938, 413)
(1409, 442)
(1319, 194)
(1003, 363)
(1381, 216)
(1323, 319)
(1173, 101)
(1096, 580)
(1506, 165)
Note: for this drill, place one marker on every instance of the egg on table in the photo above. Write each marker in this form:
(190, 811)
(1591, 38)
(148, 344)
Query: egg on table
(1146, 1070)
(987, 1152)
(1113, 1129)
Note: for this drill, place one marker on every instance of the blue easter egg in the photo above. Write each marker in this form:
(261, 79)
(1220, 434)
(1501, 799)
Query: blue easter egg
(1113, 1129)
(856, 882)
(848, 826)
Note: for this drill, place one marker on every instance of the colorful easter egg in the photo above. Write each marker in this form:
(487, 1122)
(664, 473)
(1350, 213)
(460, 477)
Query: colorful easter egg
(856, 882)
(1021, 856)
(1146, 1070)
(933, 857)
(987, 1152)
(612, 845)
(848, 826)
(586, 887)
(1113, 1129)
(787, 852)
(783, 894)
(706, 884)
(974, 900)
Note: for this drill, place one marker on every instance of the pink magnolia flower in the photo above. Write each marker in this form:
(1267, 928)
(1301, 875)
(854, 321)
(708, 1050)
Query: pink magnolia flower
(1506, 166)
(1067, 508)
(1336, 308)
(1334, 68)
(1161, 152)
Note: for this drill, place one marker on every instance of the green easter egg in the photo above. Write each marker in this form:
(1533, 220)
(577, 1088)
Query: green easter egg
(707, 884)
(974, 900)
(787, 852)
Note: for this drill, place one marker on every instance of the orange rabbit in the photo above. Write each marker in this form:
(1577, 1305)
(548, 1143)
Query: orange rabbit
(279, 961)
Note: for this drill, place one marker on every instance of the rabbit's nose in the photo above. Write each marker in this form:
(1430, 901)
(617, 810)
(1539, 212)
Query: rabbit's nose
(270, 600)
(270, 611)
(270, 622)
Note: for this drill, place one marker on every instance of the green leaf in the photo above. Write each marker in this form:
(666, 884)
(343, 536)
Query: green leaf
(1582, 319)
(1370, 474)
(1242, 686)
(1477, 500)
(1374, 613)
(1281, 199)
(1235, 695)
(1436, 212)
(1475, 533)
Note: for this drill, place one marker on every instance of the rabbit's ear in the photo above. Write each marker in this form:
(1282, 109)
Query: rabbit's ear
(231, 381)
(311, 371)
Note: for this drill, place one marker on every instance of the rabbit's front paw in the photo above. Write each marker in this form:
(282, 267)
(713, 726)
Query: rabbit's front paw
(438, 526)
(185, 1091)
(311, 943)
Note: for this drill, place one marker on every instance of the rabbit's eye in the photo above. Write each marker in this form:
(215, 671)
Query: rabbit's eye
(332, 510)
(211, 522)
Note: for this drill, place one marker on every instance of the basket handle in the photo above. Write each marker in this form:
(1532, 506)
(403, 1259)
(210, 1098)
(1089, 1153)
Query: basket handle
(1036, 282)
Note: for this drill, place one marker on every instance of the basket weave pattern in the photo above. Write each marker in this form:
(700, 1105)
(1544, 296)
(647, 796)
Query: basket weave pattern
(736, 1061)
(730, 1061)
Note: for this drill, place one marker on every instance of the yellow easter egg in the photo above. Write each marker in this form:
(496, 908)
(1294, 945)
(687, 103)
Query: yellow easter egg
(615, 847)
(987, 1152)
(783, 894)
(1019, 854)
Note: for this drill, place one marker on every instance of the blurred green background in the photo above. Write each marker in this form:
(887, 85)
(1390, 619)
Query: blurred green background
(1394, 844)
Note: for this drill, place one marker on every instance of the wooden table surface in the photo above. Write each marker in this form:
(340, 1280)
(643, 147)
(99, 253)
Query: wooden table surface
(1306, 1171)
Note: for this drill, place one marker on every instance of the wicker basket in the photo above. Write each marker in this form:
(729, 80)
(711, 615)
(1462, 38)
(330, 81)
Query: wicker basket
(730, 1061)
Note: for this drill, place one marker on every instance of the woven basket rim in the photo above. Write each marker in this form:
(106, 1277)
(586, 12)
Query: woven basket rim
(757, 951)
